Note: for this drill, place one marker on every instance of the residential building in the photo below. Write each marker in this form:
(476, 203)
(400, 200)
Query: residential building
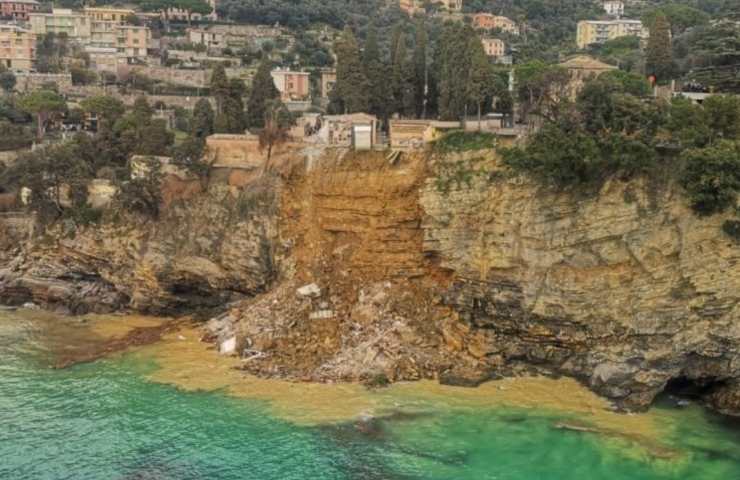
(76, 26)
(328, 80)
(582, 68)
(132, 41)
(209, 38)
(238, 36)
(599, 31)
(104, 14)
(494, 47)
(292, 85)
(103, 33)
(182, 15)
(103, 59)
(451, 5)
(614, 8)
(17, 48)
(411, 6)
(488, 21)
(18, 9)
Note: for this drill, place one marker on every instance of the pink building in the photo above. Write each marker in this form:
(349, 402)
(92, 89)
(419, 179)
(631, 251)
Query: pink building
(292, 85)
(18, 9)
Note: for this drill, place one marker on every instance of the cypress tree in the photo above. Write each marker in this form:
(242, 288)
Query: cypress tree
(219, 86)
(351, 89)
(481, 81)
(396, 37)
(399, 76)
(263, 91)
(659, 61)
(376, 73)
(420, 68)
(202, 119)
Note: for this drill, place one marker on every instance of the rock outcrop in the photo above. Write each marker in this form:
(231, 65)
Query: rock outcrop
(625, 290)
(203, 254)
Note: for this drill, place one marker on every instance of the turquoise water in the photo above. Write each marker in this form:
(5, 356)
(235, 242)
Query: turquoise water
(104, 420)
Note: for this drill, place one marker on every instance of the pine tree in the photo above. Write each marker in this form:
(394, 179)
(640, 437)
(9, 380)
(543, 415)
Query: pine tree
(420, 68)
(351, 89)
(659, 61)
(263, 91)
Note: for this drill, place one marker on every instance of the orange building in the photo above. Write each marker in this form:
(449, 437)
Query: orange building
(488, 21)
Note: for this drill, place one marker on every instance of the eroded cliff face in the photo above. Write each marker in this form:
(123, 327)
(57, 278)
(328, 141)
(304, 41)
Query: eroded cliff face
(204, 253)
(626, 290)
(434, 266)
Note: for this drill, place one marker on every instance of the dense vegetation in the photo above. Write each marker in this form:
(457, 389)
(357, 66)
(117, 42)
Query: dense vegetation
(610, 129)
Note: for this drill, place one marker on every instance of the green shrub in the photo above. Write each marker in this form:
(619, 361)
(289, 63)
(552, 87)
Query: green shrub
(711, 177)
(732, 228)
(460, 141)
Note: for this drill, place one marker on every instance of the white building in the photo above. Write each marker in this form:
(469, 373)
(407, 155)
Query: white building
(614, 8)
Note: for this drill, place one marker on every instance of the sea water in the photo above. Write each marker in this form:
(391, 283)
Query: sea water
(115, 419)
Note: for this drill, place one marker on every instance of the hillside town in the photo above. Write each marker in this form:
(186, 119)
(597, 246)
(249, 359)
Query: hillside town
(175, 79)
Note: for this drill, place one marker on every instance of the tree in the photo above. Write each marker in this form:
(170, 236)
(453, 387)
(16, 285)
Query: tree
(142, 112)
(712, 177)
(220, 86)
(202, 123)
(42, 103)
(275, 132)
(397, 36)
(376, 72)
(351, 89)
(7, 81)
(263, 91)
(658, 60)
(541, 88)
(420, 68)
(399, 76)
(108, 109)
(156, 141)
(481, 84)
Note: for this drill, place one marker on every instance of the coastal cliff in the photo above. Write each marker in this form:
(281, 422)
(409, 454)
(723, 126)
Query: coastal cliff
(442, 265)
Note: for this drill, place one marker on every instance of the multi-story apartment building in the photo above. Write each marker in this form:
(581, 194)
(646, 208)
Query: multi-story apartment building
(17, 47)
(494, 47)
(103, 33)
(488, 21)
(599, 31)
(103, 14)
(132, 41)
(61, 20)
(18, 9)
(292, 85)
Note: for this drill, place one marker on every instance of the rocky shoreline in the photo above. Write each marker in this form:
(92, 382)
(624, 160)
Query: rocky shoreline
(360, 271)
